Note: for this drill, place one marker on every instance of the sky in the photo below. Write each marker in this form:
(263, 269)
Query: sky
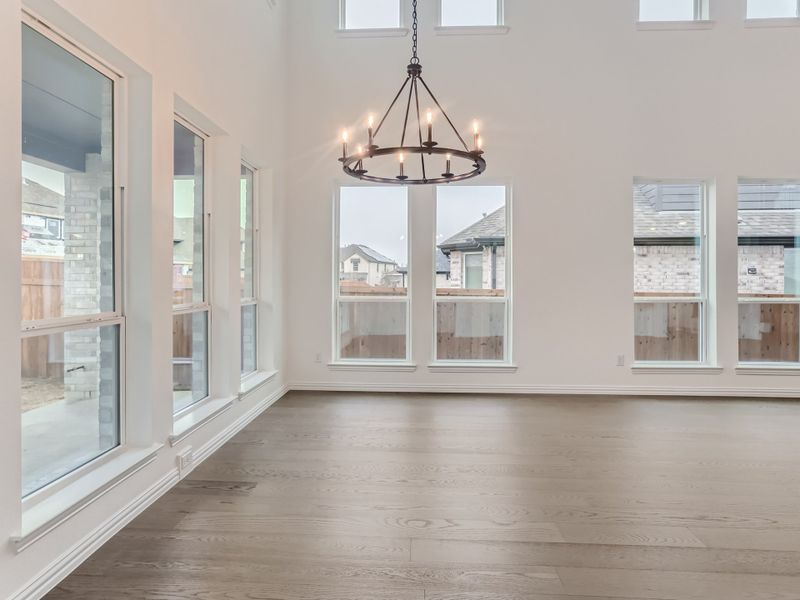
(679, 10)
(49, 178)
(364, 14)
(378, 216)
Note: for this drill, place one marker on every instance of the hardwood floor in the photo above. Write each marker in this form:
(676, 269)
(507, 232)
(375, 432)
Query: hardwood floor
(424, 497)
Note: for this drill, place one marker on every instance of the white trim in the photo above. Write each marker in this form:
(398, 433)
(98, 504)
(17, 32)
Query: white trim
(490, 29)
(556, 390)
(772, 22)
(377, 32)
(255, 380)
(674, 25)
(45, 516)
(768, 369)
(373, 366)
(197, 415)
(471, 367)
(675, 369)
(471, 29)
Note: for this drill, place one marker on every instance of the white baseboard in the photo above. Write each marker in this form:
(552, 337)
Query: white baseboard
(555, 390)
(72, 558)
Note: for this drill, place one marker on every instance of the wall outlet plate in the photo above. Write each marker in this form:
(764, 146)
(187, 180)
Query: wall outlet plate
(185, 458)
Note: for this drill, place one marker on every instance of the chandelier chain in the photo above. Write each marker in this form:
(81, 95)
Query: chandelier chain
(414, 27)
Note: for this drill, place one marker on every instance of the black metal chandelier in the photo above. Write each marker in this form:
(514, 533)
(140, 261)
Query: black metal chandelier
(355, 164)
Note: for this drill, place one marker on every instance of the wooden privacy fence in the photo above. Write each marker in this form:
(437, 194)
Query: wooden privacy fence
(42, 297)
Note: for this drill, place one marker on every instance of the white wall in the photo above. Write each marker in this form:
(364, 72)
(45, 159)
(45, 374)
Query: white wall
(575, 102)
(228, 67)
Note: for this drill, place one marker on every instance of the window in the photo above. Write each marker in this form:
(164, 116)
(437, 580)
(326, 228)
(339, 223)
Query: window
(249, 269)
(769, 272)
(371, 294)
(771, 9)
(472, 274)
(190, 321)
(370, 14)
(673, 10)
(669, 271)
(471, 13)
(72, 320)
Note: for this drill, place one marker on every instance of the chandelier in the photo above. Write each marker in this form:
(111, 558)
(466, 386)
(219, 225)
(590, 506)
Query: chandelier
(413, 143)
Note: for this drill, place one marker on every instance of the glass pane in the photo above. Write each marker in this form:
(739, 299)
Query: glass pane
(67, 183)
(372, 330)
(368, 14)
(373, 235)
(70, 402)
(667, 331)
(469, 12)
(767, 9)
(247, 234)
(188, 249)
(470, 330)
(471, 241)
(189, 359)
(769, 332)
(249, 338)
(666, 10)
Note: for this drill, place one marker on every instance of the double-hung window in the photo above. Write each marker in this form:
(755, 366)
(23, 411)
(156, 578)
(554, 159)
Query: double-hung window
(248, 266)
(773, 9)
(673, 10)
(769, 272)
(371, 285)
(472, 274)
(72, 317)
(191, 306)
(669, 263)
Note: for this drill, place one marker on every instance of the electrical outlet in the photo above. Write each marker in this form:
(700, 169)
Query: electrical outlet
(620, 360)
(185, 458)
(318, 358)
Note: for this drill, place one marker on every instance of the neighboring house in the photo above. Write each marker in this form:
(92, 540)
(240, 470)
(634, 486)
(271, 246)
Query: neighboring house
(477, 254)
(667, 259)
(363, 264)
(442, 271)
(42, 221)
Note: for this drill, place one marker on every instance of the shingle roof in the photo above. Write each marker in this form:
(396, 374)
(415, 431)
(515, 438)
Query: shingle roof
(491, 228)
(442, 263)
(367, 252)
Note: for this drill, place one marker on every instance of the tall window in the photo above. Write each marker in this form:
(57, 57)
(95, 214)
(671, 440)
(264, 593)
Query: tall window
(669, 271)
(673, 10)
(471, 13)
(769, 272)
(191, 308)
(472, 273)
(370, 14)
(248, 262)
(72, 318)
(771, 9)
(371, 292)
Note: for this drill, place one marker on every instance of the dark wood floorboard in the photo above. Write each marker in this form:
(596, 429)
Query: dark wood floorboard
(425, 497)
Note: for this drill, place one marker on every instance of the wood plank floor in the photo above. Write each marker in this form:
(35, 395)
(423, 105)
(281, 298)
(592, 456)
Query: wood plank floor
(424, 497)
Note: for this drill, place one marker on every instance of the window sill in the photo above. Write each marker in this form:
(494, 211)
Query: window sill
(673, 25)
(193, 420)
(776, 22)
(471, 367)
(472, 30)
(768, 369)
(254, 381)
(678, 369)
(373, 32)
(398, 367)
(43, 517)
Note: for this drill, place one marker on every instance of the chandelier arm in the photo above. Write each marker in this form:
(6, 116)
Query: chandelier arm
(391, 106)
(419, 128)
(408, 109)
(446, 116)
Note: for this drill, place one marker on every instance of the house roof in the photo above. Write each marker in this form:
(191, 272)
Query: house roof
(367, 252)
(491, 229)
(442, 263)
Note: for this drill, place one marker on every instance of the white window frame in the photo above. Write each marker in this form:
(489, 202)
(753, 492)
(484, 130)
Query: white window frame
(507, 299)
(704, 312)
(487, 29)
(702, 11)
(206, 305)
(399, 30)
(256, 268)
(743, 299)
(116, 318)
(338, 298)
(782, 21)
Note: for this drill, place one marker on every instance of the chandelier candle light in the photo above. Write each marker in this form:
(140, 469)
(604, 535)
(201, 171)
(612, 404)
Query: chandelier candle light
(354, 164)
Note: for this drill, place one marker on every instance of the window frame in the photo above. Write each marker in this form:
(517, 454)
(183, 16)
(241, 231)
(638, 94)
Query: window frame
(704, 299)
(337, 360)
(771, 20)
(506, 299)
(253, 300)
(401, 5)
(750, 299)
(500, 23)
(116, 317)
(702, 12)
(206, 305)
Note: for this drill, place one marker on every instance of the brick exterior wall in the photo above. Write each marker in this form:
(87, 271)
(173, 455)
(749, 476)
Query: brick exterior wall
(457, 269)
